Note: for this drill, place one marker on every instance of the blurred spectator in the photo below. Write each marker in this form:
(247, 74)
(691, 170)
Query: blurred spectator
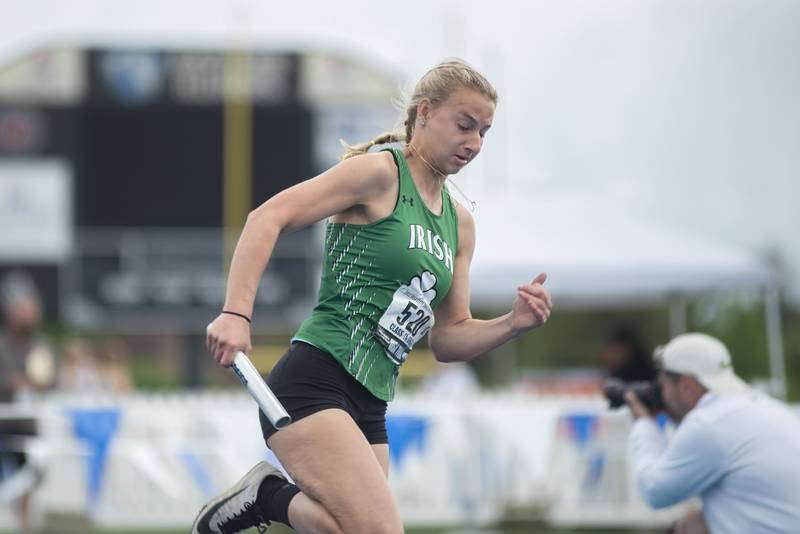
(625, 357)
(450, 381)
(79, 372)
(26, 360)
(26, 365)
(112, 359)
(90, 370)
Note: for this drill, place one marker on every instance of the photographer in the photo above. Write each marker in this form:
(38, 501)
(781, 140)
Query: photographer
(735, 449)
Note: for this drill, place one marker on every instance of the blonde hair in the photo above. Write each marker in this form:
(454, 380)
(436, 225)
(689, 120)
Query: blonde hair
(436, 86)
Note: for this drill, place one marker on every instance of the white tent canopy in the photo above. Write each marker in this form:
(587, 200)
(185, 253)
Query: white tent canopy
(596, 253)
(599, 254)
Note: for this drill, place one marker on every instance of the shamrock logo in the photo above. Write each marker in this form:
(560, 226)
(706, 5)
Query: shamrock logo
(423, 286)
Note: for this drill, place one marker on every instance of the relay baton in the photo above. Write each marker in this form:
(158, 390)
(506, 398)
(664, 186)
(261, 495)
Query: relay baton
(259, 390)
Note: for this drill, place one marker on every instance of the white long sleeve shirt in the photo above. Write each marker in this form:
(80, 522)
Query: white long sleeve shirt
(739, 453)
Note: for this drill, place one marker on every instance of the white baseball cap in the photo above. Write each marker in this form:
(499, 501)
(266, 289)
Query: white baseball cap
(703, 357)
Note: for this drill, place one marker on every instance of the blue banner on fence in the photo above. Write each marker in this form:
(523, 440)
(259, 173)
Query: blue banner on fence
(96, 427)
(404, 432)
(582, 428)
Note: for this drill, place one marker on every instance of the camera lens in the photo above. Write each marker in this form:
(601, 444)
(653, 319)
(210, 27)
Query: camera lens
(648, 392)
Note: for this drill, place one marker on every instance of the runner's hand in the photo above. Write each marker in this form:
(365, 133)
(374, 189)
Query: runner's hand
(226, 335)
(532, 306)
(638, 409)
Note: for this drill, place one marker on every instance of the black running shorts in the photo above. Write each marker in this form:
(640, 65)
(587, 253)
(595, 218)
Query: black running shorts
(307, 380)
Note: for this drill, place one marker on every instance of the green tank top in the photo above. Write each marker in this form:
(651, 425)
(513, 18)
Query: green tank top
(380, 284)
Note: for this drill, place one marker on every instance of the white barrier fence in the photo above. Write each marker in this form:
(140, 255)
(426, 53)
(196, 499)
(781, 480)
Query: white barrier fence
(150, 461)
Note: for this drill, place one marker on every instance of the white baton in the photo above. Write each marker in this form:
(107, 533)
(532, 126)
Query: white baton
(260, 391)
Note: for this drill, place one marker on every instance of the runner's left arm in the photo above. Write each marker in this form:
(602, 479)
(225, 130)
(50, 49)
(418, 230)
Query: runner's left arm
(456, 335)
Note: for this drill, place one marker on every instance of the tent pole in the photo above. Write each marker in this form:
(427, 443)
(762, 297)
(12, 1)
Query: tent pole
(774, 328)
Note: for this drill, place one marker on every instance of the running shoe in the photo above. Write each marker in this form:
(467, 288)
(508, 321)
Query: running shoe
(236, 509)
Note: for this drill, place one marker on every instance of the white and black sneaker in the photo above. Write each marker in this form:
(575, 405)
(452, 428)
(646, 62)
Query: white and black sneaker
(236, 509)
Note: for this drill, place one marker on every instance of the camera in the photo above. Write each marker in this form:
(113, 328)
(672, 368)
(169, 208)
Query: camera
(648, 392)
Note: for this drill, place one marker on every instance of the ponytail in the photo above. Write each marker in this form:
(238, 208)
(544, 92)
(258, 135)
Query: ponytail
(363, 148)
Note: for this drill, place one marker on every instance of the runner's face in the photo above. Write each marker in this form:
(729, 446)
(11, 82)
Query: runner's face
(455, 129)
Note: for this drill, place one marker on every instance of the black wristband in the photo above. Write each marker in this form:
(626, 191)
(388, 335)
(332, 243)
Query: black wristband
(237, 314)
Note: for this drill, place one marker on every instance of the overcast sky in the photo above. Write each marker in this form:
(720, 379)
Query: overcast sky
(686, 112)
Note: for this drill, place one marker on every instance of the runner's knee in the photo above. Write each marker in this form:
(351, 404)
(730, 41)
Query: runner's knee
(379, 524)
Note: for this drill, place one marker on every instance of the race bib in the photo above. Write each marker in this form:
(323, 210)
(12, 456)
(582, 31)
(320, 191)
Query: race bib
(408, 318)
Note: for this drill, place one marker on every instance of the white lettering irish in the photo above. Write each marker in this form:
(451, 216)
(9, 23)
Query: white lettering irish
(420, 237)
(433, 245)
(437, 245)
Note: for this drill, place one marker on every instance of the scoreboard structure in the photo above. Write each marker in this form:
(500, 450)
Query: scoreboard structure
(134, 238)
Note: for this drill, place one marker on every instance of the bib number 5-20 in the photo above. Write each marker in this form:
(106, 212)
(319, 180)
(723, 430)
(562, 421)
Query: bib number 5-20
(408, 318)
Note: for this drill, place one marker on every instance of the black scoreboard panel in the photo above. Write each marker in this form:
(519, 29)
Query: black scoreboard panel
(162, 166)
(152, 144)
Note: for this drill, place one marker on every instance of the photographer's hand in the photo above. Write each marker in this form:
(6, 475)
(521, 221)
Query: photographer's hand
(638, 409)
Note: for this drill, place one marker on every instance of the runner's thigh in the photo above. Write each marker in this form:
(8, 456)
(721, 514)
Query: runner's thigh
(381, 451)
(331, 461)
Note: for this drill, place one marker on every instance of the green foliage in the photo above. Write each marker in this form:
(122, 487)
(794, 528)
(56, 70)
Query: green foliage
(571, 339)
(149, 375)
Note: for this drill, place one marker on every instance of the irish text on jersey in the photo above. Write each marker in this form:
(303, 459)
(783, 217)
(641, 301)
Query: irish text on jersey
(433, 244)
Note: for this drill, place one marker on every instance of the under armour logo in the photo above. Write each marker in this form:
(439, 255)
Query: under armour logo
(407, 200)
